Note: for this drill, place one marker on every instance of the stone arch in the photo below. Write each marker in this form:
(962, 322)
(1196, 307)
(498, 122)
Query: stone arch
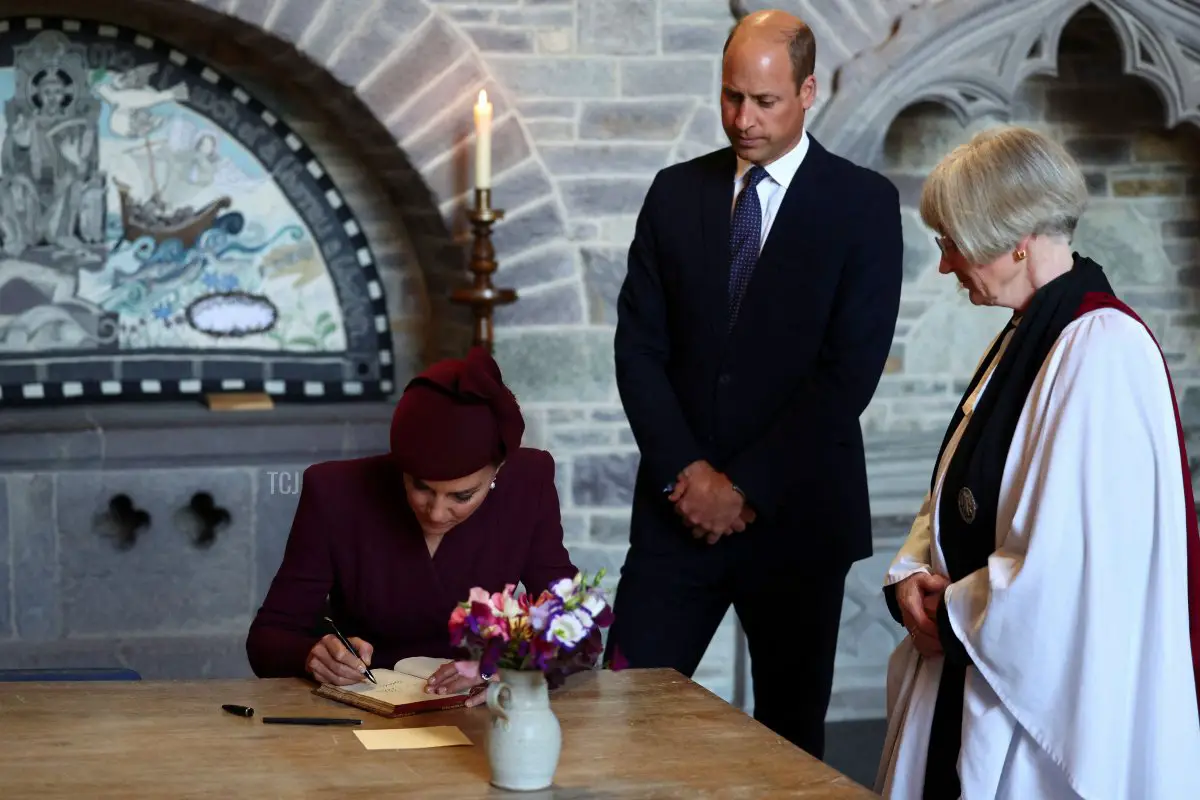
(972, 55)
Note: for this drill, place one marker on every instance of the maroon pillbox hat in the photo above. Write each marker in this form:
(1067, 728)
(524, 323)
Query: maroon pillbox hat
(455, 418)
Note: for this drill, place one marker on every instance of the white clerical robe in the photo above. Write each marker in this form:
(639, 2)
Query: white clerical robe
(1082, 682)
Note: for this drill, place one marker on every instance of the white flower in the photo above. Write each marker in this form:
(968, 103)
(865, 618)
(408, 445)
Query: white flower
(568, 629)
(594, 602)
(563, 589)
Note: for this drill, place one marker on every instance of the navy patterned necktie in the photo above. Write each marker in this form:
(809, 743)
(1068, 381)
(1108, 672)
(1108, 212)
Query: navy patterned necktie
(744, 239)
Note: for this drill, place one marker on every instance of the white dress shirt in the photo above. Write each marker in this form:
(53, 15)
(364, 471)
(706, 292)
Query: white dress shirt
(772, 188)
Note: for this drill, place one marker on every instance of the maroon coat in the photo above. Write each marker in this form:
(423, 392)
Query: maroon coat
(355, 539)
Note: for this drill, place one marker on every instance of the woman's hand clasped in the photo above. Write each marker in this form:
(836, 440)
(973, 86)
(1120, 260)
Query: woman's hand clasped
(918, 596)
(330, 662)
(457, 676)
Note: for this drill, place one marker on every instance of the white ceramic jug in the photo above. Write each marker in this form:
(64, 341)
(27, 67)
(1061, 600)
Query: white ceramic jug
(525, 738)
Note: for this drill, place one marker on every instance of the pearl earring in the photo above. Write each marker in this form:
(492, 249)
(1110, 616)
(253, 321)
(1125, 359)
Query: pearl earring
(493, 486)
(1019, 255)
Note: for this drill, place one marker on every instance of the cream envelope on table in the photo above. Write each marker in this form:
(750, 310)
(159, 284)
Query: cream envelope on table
(412, 738)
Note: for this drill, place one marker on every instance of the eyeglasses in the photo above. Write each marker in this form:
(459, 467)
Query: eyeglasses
(946, 245)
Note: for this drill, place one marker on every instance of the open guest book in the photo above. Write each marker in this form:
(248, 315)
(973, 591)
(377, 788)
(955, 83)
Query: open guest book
(400, 691)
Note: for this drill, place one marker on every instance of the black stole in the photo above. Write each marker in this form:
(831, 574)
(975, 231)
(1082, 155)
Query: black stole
(971, 491)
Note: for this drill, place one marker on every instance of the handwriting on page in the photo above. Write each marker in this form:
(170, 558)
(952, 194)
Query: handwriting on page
(393, 687)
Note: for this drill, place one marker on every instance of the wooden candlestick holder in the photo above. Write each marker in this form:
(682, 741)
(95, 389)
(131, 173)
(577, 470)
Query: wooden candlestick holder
(481, 295)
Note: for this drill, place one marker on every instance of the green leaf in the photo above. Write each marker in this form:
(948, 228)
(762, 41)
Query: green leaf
(323, 316)
(304, 341)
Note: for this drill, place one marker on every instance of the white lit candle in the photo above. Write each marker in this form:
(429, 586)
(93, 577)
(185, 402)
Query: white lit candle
(483, 142)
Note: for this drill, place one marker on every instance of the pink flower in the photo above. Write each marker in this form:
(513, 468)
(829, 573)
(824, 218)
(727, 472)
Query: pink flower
(458, 626)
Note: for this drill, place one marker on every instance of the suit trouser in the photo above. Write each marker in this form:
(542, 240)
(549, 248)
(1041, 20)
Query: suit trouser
(668, 605)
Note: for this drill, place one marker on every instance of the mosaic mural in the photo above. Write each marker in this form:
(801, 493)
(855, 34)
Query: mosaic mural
(151, 207)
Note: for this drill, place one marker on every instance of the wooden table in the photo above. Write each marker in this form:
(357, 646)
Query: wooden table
(635, 734)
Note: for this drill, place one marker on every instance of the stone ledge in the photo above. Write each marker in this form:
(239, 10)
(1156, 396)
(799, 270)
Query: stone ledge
(90, 437)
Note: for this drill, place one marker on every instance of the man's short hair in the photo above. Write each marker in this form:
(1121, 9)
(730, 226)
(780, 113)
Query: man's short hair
(802, 51)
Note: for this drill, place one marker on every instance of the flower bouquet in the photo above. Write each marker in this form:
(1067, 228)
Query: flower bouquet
(556, 634)
(532, 646)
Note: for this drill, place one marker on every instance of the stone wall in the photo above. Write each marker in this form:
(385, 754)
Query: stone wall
(592, 97)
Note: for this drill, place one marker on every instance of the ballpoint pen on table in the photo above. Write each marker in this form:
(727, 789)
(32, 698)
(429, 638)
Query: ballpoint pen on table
(350, 647)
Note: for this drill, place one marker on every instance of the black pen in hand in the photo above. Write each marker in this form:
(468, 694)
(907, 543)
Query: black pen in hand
(350, 647)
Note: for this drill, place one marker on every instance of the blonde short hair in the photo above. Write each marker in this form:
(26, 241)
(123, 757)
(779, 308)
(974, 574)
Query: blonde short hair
(1006, 183)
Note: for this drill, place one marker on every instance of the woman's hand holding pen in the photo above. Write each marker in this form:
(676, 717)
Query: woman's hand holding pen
(330, 662)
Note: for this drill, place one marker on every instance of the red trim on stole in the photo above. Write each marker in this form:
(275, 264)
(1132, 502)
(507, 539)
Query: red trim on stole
(1096, 300)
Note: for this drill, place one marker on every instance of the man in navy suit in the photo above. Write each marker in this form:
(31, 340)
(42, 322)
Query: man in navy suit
(753, 326)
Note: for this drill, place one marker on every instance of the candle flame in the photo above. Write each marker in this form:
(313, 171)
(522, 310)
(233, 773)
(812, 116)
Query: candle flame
(483, 97)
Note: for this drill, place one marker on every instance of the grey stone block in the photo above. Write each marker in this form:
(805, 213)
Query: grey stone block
(604, 196)
(568, 416)
(403, 16)
(6, 608)
(292, 19)
(659, 120)
(695, 37)
(427, 55)
(573, 438)
(164, 581)
(532, 227)
(457, 86)
(610, 528)
(561, 17)
(705, 128)
(540, 266)
(369, 46)
(575, 528)
(470, 15)
(605, 479)
(530, 77)
(334, 25)
(657, 77)
(582, 357)
(522, 185)
(37, 610)
(551, 130)
(604, 271)
(500, 40)
(610, 159)
(556, 305)
(609, 415)
(547, 109)
(618, 27)
(253, 11)
(705, 10)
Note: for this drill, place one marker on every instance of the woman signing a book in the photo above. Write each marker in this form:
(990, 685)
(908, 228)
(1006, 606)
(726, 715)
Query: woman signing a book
(386, 546)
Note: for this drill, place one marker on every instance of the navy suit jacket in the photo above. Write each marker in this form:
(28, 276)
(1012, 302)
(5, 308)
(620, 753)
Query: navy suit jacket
(775, 403)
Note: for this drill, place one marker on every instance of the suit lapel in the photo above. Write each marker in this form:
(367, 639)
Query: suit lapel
(716, 200)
